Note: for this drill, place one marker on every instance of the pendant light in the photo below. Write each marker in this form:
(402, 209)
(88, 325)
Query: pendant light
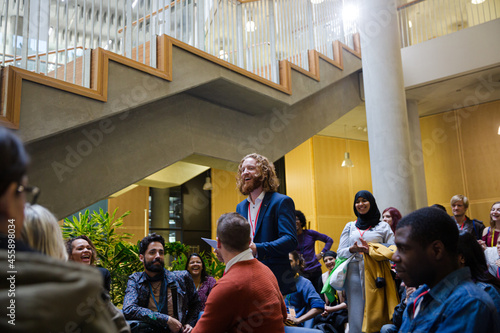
(347, 162)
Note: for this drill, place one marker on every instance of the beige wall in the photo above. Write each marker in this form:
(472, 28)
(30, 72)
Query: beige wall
(137, 202)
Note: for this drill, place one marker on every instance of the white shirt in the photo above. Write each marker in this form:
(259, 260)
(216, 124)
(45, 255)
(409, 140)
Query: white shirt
(243, 256)
(253, 211)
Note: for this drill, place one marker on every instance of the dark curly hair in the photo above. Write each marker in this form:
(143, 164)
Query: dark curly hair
(69, 248)
(143, 245)
(302, 218)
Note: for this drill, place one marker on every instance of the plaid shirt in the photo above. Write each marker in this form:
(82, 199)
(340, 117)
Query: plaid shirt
(135, 304)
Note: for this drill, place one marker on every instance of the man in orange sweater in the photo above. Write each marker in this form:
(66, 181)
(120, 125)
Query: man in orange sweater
(247, 298)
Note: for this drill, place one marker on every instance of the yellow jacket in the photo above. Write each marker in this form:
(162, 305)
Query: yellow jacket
(379, 302)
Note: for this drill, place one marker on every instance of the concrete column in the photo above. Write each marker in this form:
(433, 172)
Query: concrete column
(388, 131)
(416, 154)
(160, 205)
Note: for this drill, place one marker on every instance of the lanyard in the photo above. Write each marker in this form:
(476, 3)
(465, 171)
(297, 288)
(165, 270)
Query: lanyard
(416, 300)
(254, 223)
(154, 298)
(362, 233)
(492, 237)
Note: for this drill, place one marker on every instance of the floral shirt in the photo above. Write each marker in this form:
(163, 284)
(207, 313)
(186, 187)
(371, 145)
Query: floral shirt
(135, 304)
(204, 290)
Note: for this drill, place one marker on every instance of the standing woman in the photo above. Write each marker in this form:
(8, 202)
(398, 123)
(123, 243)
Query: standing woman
(354, 240)
(392, 216)
(490, 235)
(307, 239)
(203, 282)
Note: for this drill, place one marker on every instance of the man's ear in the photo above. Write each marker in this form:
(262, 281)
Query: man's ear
(219, 245)
(141, 257)
(438, 250)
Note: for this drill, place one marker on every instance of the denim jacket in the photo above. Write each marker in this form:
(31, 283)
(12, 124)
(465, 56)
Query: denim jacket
(135, 304)
(455, 304)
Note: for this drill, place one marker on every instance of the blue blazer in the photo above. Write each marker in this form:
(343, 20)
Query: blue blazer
(275, 236)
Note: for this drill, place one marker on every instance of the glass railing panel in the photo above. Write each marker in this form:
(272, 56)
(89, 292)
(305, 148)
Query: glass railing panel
(421, 21)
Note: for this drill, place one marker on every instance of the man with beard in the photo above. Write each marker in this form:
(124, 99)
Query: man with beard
(271, 216)
(160, 300)
(448, 300)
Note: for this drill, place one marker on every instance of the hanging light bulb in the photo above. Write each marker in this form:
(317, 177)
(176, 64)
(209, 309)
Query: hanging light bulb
(347, 162)
(208, 184)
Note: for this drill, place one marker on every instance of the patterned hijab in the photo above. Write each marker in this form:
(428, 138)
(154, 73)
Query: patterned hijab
(370, 219)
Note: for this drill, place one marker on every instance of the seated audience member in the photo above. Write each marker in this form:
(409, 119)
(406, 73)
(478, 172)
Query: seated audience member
(42, 232)
(448, 301)
(203, 282)
(397, 316)
(490, 234)
(459, 205)
(81, 249)
(305, 303)
(159, 299)
(392, 216)
(335, 313)
(307, 239)
(247, 298)
(49, 293)
(493, 260)
(470, 254)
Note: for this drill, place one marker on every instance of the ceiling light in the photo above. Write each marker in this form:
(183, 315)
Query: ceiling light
(208, 184)
(350, 13)
(250, 26)
(347, 162)
(316, 2)
(498, 130)
(410, 24)
(477, 2)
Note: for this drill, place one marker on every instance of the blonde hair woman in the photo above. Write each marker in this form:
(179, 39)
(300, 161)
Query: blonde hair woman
(42, 232)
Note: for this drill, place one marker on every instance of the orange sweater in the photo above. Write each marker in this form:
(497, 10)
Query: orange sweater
(246, 299)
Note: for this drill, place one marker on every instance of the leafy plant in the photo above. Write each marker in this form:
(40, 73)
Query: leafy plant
(114, 251)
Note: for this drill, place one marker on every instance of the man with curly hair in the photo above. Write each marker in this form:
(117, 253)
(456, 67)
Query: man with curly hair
(271, 216)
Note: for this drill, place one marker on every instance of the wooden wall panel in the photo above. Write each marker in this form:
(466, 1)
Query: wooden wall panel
(300, 182)
(225, 196)
(137, 201)
(442, 158)
(481, 150)
(361, 173)
(332, 181)
(461, 157)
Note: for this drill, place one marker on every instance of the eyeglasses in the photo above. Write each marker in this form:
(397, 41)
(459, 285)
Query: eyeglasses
(32, 193)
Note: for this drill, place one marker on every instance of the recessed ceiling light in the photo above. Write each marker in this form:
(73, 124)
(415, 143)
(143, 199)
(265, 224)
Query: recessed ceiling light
(477, 2)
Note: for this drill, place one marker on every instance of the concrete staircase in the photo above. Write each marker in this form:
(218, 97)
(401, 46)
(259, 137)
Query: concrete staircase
(86, 144)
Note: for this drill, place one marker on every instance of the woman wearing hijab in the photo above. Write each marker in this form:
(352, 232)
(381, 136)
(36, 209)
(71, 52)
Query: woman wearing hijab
(354, 240)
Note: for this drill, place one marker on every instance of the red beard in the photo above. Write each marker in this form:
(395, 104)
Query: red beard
(249, 186)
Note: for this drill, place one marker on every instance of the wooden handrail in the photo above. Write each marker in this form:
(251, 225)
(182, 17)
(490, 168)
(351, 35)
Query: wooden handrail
(409, 4)
(44, 54)
(12, 77)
